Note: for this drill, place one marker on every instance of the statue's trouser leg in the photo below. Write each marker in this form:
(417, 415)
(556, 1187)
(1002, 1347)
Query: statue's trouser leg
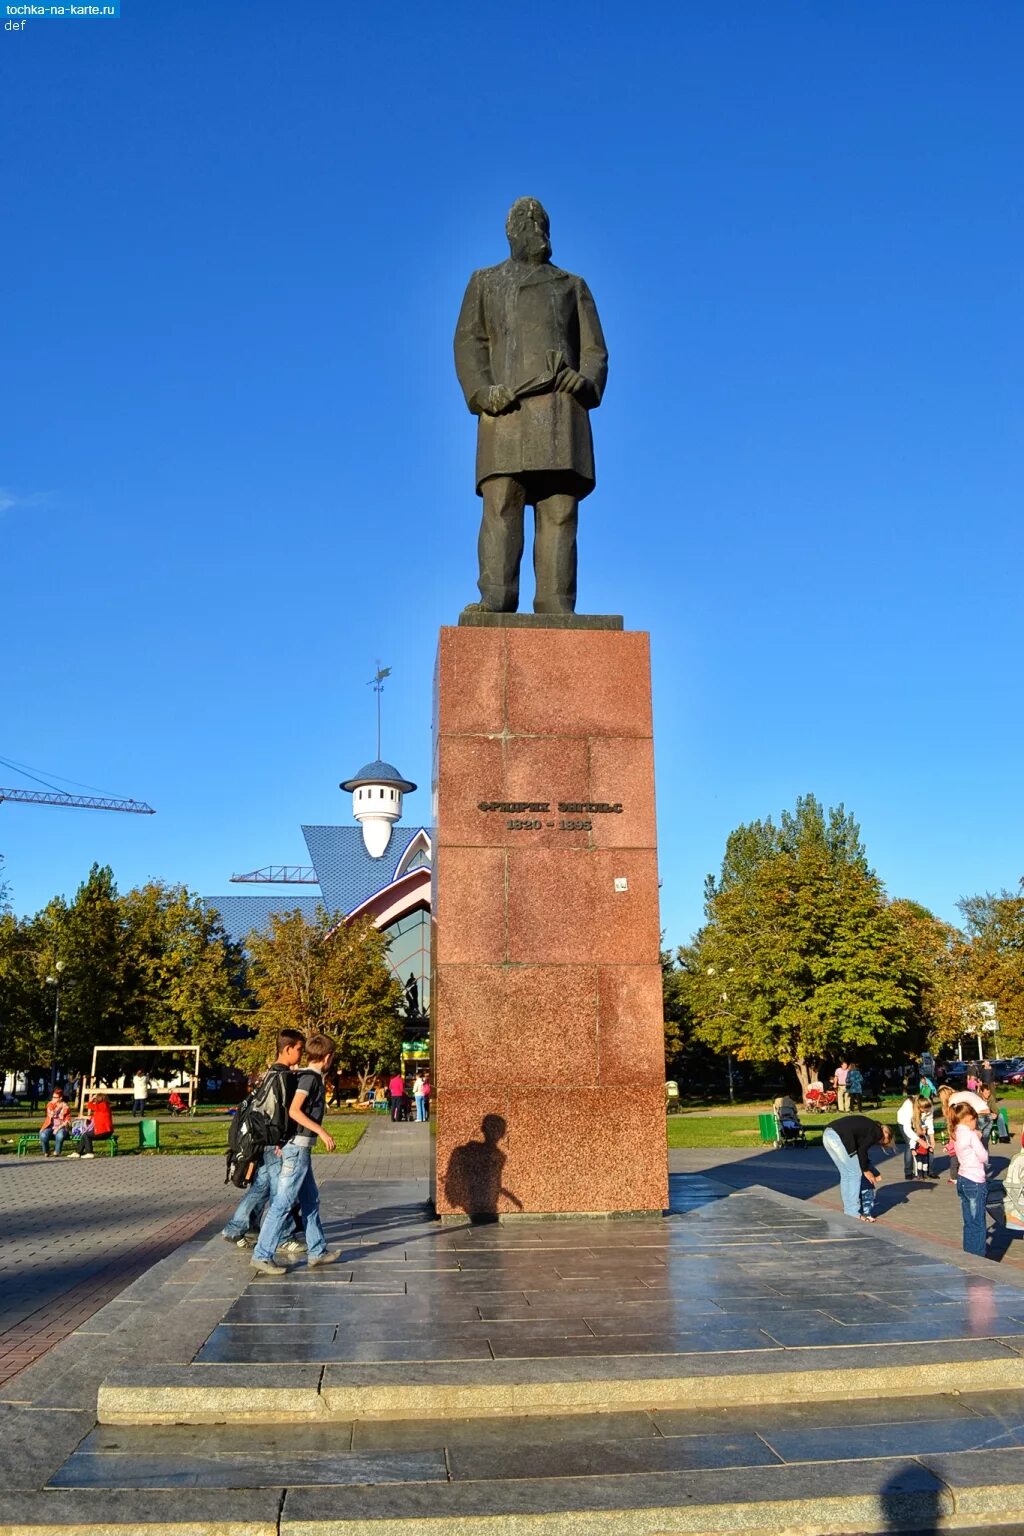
(554, 554)
(500, 547)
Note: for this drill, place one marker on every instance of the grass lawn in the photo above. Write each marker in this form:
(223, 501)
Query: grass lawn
(695, 1130)
(206, 1133)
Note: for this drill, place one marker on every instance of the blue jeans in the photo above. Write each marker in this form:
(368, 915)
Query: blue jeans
(295, 1182)
(972, 1205)
(857, 1201)
(421, 1107)
(47, 1134)
(262, 1189)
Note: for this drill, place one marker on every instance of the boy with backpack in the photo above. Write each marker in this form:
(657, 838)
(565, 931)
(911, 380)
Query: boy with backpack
(295, 1181)
(263, 1124)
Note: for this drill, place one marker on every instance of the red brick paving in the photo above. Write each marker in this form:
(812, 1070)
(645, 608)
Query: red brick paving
(28, 1340)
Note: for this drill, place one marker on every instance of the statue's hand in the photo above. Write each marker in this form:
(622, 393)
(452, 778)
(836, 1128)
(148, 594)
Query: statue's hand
(569, 382)
(499, 399)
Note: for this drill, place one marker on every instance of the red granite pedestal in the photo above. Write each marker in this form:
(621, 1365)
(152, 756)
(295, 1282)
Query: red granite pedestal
(547, 1033)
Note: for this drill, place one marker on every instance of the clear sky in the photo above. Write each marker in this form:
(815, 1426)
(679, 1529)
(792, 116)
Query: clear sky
(237, 468)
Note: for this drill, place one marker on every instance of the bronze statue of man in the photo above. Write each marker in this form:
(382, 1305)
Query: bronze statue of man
(532, 363)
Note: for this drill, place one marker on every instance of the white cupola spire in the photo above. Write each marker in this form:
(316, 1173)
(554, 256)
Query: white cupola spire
(377, 791)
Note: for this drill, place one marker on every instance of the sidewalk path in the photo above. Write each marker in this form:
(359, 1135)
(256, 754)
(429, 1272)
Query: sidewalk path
(926, 1209)
(76, 1234)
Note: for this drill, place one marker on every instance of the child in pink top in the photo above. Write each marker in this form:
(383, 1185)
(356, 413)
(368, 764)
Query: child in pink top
(972, 1183)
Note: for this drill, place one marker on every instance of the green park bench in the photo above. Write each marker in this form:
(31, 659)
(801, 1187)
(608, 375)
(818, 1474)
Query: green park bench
(31, 1139)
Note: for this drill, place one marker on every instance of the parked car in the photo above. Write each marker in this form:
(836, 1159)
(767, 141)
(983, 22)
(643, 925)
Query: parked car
(1004, 1068)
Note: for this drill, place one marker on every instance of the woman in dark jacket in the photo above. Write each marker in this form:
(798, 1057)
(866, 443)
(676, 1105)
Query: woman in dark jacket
(848, 1141)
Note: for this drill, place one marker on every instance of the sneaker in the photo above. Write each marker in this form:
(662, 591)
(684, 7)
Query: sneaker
(74, 1154)
(229, 1237)
(329, 1256)
(294, 1245)
(85, 1155)
(248, 1240)
(268, 1267)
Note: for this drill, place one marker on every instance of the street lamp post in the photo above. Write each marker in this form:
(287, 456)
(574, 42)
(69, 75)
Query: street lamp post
(54, 982)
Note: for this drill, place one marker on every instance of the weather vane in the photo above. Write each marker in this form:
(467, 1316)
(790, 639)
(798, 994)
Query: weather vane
(377, 684)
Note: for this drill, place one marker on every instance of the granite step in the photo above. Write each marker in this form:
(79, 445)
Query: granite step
(918, 1463)
(573, 1383)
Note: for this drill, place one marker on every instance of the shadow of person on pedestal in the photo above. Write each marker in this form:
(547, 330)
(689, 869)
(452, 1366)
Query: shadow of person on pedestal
(473, 1180)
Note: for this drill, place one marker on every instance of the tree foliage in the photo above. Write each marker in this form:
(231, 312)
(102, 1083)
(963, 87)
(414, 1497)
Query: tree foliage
(146, 968)
(677, 1013)
(800, 957)
(183, 977)
(995, 924)
(941, 965)
(328, 976)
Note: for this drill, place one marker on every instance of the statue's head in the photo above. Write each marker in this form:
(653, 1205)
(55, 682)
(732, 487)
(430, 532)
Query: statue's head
(528, 230)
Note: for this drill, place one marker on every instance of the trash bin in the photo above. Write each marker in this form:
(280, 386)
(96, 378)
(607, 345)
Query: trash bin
(149, 1135)
(769, 1130)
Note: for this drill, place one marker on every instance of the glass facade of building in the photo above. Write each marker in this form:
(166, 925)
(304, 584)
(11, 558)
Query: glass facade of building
(409, 951)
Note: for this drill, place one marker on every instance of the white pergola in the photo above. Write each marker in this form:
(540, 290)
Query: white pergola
(129, 1050)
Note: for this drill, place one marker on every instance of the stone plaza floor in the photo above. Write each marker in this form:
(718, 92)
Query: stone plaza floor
(752, 1362)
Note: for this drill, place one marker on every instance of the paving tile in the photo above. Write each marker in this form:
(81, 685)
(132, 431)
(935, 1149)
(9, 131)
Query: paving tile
(769, 1419)
(33, 1443)
(670, 1321)
(326, 1438)
(430, 1347)
(610, 1458)
(237, 1470)
(658, 1343)
(508, 1430)
(903, 1492)
(231, 1345)
(1006, 1405)
(892, 1438)
(55, 1512)
(797, 1332)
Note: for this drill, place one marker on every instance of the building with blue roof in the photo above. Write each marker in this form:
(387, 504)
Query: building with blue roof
(376, 868)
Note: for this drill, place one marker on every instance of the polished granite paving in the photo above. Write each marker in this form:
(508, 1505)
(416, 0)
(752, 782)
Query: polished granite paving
(741, 1281)
(745, 1273)
(464, 1450)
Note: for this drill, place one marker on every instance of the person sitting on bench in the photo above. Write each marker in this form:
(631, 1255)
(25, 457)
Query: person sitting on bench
(101, 1126)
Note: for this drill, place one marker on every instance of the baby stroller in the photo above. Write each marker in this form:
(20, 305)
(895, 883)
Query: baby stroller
(788, 1130)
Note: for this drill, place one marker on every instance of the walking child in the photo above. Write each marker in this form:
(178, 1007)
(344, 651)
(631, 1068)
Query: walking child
(276, 1088)
(296, 1181)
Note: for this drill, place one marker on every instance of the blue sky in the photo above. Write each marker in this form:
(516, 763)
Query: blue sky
(236, 466)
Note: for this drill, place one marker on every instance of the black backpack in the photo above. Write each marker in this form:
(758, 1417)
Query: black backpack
(261, 1121)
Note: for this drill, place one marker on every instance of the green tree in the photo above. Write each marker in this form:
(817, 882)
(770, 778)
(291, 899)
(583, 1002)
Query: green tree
(183, 976)
(327, 975)
(940, 961)
(800, 957)
(25, 1018)
(677, 1011)
(995, 924)
(87, 937)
